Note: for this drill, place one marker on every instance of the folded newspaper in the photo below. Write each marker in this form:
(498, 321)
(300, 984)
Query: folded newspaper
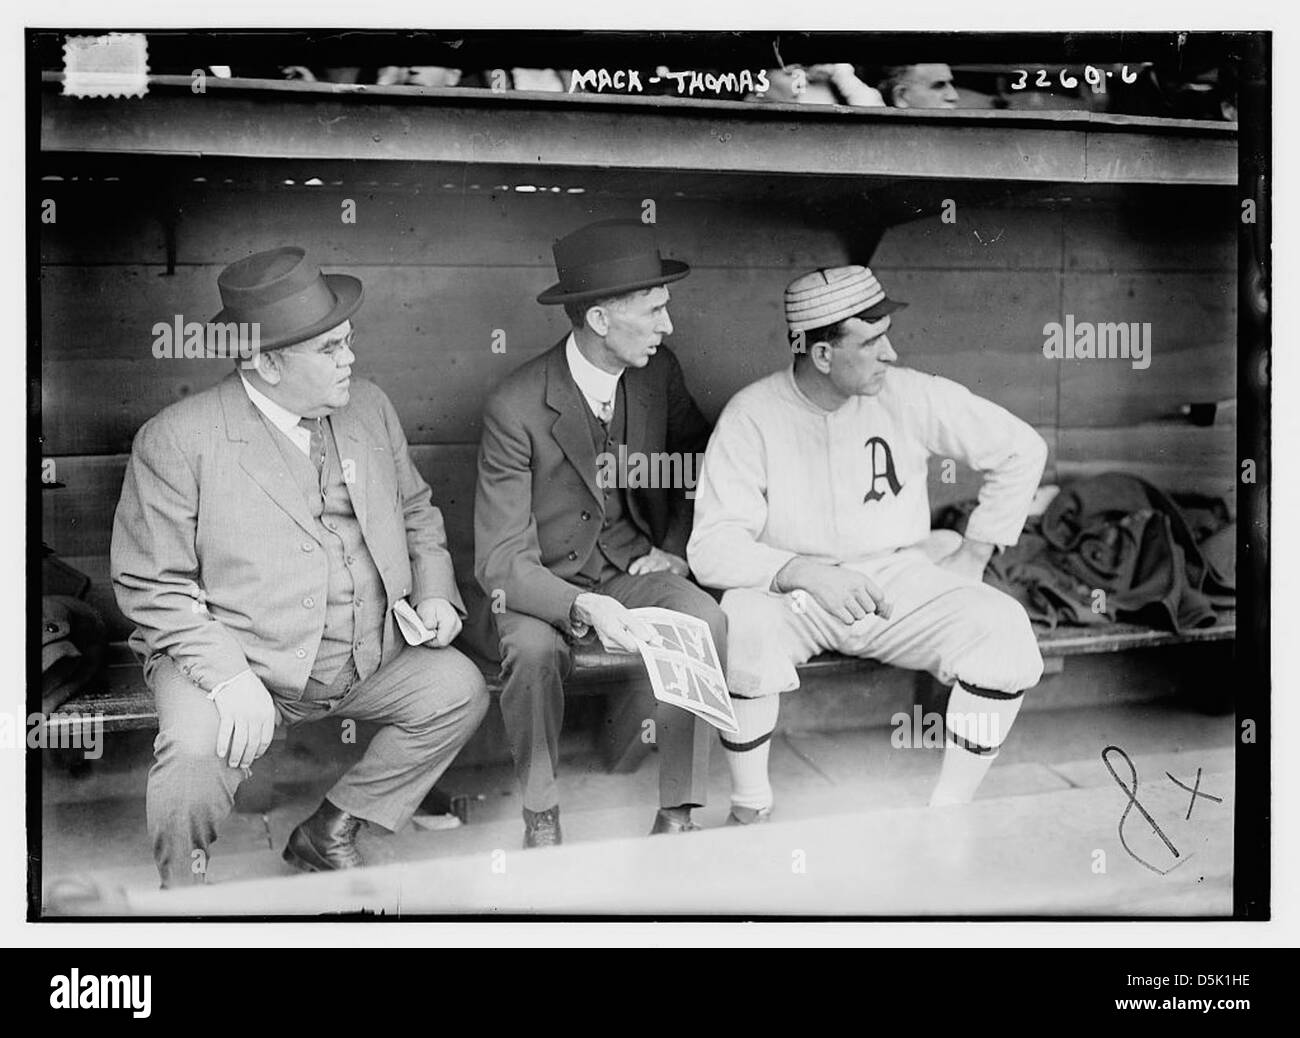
(681, 661)
(410, 624)
(684, 668)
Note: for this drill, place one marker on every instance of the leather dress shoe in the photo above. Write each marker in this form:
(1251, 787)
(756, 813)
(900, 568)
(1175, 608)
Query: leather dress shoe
(673, 822)
(542, 828)
(326, 841)
(752, 817)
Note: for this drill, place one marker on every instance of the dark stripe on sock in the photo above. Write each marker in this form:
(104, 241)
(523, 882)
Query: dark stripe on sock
(741, 747)
(972, 747)
(988, 693)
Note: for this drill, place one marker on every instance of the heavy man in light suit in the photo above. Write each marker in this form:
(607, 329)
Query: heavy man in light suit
(266, 529)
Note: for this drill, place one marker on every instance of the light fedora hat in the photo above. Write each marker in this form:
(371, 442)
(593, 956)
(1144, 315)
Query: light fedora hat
(284, 292)
(609, 258)
(833, 294)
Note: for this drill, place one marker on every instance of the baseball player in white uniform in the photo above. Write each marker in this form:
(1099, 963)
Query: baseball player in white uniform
(812, 513)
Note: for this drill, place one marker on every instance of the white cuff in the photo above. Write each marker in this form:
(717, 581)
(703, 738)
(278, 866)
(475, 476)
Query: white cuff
(220, 687)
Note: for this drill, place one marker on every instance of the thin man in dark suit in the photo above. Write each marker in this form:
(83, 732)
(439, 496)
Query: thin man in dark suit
(561, 545)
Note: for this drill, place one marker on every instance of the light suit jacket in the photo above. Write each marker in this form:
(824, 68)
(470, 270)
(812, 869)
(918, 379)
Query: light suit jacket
(215, 555)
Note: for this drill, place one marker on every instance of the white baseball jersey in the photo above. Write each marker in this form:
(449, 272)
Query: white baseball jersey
(784, 477)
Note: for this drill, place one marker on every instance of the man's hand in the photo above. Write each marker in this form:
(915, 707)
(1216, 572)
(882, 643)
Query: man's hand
(441, 618)
(847, 595)
(824, 73)
(656, 561)
(612, 621)
(968, 560)
(247, 722)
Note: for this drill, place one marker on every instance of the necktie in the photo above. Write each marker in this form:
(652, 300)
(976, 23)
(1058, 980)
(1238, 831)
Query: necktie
(317, 449)
(606, 412)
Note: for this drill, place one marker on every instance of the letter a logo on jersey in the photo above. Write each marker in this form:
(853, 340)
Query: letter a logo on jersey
(879, 449)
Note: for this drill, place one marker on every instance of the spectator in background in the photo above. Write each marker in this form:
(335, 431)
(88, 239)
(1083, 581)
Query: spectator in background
(1176, 91)
(826, 84)
(349, 74)
(919, 86)
(547, 80)
(418, 75)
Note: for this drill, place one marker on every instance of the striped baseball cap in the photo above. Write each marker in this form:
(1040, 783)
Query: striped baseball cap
(832, 294)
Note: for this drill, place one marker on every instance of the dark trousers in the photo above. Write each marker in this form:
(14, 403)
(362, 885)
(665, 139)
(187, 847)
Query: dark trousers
(535, 659)
(429, 701)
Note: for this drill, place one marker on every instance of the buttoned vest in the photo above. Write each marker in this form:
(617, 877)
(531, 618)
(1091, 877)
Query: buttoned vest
(354, 605)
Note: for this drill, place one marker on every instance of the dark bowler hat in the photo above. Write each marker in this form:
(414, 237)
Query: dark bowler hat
(286, 295)
(609, 258)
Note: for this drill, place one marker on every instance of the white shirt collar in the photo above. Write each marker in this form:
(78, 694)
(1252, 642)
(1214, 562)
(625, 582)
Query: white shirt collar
(597, 386)
(282, 418)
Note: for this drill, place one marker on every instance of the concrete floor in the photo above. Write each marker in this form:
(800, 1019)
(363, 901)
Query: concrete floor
(93, 832)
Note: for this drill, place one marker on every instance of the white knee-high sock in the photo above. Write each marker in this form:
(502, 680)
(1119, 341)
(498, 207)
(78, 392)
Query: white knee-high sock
(978, 721)
(747, 753)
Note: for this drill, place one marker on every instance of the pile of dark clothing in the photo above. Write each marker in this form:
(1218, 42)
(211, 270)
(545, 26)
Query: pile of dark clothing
(72, 633)
(1154, 561)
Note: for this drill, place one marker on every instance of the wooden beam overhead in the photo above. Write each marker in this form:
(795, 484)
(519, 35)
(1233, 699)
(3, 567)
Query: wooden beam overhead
(265, 119)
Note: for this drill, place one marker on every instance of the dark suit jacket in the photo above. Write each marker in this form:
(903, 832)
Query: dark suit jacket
(538, 506)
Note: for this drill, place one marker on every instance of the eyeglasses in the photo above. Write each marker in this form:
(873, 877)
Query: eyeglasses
(334, 345)
(330, 348)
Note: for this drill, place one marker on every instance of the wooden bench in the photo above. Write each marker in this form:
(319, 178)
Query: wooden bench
(79, 522)
(126, 703)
